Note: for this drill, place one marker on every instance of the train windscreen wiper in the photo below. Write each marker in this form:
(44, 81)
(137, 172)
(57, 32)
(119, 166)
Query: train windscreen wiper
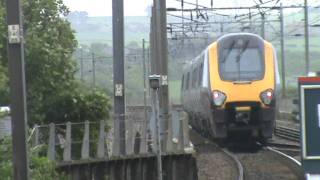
(229, 51)
(242, 51)
(238, 58)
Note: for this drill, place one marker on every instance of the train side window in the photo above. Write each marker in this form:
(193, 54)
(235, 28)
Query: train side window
(187, 82)
(200, 74)
(194, 77)
(182, 82)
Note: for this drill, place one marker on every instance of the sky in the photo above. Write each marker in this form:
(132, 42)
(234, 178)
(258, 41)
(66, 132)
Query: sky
(139, 7)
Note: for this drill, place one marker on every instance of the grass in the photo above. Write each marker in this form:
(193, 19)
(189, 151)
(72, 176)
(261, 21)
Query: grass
(175, 91)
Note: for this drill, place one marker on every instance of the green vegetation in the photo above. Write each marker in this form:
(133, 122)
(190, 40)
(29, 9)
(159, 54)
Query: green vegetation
(41, 168)
(53, 94)
(99, 29)
(4, 89)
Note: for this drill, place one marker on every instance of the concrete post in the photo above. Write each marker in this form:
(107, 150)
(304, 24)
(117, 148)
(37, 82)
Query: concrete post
(129, 137)
(67, 146)
(102, 140)
(35, 138)
(143, 141)
(86, 141)
(51, 146)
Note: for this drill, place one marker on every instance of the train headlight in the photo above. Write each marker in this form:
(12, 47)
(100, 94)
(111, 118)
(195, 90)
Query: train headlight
(218, 97)
(267, 96)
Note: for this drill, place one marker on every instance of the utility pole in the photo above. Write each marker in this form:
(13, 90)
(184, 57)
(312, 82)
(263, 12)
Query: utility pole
(306, 35)
(146, 121)
(81, 64)
(250, 19)
(144, 80)
(94, 70)
(162, 53)
(155, 67)
(263, 32)
(283, 64)
(118, 77)
(221, 28)
(17, 89)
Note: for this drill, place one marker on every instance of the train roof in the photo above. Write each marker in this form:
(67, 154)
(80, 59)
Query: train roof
(233, 35)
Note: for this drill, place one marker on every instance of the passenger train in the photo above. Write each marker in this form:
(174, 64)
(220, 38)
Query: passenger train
(232, 86)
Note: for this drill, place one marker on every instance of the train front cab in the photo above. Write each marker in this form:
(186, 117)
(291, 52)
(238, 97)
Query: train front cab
(249, 105)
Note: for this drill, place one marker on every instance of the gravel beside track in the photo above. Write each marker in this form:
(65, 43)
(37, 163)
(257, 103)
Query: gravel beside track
(212, 162)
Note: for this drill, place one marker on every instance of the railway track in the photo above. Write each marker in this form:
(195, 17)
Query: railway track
(263, 163)
(214, 162)
(267, 164)
(287, 133)
(289, 149)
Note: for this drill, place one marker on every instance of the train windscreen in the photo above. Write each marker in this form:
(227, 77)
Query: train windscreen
(241, 64)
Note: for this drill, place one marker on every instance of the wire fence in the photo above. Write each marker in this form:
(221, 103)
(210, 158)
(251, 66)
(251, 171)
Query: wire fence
(96, 140)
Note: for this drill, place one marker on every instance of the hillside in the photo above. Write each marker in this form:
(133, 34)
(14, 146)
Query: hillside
(95, 35)
(99, 29)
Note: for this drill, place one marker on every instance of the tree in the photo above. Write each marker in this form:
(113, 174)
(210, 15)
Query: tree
(50, 42)
(79, 106)
(3, 36)
(4, 89)
(50, 69)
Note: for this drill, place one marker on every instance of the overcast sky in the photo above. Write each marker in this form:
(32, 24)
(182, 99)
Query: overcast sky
(139, 7)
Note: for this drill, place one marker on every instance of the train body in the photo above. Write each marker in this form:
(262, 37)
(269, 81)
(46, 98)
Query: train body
(232, 86)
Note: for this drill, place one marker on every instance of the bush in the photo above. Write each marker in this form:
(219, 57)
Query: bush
(78, 106)
(41, 168)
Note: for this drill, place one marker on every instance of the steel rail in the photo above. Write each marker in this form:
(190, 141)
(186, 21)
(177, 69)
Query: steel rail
(292, 163)
(238, 163)
(287, 133)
